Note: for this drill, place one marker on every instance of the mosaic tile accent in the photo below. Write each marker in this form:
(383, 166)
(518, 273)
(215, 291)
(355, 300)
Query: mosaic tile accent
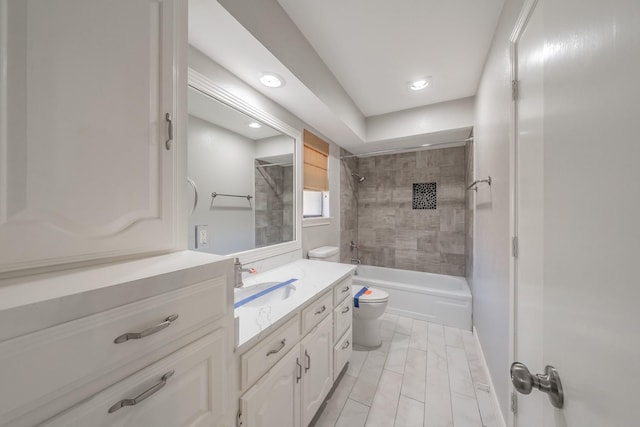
(424, 195)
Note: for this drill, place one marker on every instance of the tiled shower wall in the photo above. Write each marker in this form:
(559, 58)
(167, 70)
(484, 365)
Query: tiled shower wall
(348, 206)
(273, 204)
(470, 199)
(393, 234)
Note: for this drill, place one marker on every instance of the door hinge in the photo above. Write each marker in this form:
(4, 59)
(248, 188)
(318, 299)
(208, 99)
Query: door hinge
(239, 419)
(514, 90)
(514, 246)
(514, 402)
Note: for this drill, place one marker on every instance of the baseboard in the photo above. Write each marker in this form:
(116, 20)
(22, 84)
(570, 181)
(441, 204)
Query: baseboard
(492, 389)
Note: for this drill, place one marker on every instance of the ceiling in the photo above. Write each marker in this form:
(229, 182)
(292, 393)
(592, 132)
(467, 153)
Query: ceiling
(347, 64)
(374, 47)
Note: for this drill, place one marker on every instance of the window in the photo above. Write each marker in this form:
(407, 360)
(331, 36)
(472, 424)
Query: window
(315, 201)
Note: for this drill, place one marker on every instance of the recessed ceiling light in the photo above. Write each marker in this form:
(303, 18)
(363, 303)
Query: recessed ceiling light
(419, 84)
(271, 80)
(255, 125)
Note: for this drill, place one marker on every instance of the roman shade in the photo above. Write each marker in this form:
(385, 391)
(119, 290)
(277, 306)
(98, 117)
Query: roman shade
(316, 155)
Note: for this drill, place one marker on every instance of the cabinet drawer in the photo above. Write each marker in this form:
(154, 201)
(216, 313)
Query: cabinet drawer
(342, 290)
(317, 311)
(265, 354)
(342, 353)
(194, 393)
(50, 363)
(342, 317)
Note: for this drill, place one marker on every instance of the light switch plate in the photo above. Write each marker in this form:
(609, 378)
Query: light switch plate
(202, 236)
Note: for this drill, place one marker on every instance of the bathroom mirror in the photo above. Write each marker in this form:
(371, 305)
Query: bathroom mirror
(242, 168)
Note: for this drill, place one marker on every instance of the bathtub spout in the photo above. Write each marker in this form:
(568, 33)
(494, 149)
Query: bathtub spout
(355, 261)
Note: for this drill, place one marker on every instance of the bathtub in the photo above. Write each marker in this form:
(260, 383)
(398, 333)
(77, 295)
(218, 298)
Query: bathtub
(426, 296)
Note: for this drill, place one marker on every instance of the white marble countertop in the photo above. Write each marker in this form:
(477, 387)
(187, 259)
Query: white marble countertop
(314, 277)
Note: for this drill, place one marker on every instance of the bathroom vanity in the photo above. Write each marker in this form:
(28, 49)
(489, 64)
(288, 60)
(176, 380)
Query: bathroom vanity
(140, 343)
(290, 351)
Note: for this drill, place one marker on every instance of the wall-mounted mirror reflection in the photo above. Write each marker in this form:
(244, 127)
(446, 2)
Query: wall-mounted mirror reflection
(243, 174)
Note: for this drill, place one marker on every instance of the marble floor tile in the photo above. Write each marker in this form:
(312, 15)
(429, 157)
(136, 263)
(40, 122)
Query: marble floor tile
(476, 366)
(459, 375)
(385, 403)
(410, 413)
(404, 325)
(453, 337)
(365, 387)
(437, 401)
(415, 372)
(487, 413)
(419, 332)
(356, 361)
(465, 411)
(336, 403)
(354, 414)
(397, 357)
(424, 375)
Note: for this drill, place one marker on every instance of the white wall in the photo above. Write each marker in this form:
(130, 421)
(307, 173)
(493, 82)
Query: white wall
(221, 161)
(491, 275)
(434, 118)
(275, 146)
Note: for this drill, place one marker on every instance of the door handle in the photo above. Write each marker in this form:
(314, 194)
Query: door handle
(548, 383)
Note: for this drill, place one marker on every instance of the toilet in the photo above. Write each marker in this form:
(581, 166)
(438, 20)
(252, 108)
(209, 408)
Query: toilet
(369, 305)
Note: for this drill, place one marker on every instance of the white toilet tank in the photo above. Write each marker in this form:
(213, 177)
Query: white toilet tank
(325, 253)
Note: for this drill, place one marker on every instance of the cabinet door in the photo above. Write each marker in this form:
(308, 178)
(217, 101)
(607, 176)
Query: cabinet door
(317, 352)
(275, 399)
(84, 96)
(194, 395)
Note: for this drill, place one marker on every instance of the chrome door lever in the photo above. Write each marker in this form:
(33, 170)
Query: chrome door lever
(548, 383)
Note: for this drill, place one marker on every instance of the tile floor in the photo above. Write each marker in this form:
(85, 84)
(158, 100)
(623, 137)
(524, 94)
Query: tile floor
(424, 375)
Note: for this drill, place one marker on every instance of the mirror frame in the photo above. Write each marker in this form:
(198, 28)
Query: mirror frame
(206, 85)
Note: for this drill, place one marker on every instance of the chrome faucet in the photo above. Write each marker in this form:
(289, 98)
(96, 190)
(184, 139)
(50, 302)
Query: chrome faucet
(238, 270)
(355, 261)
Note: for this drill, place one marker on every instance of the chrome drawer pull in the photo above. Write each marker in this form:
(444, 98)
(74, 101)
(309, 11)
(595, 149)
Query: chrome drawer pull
(306, 369)
(282, 344)
(152, 330)
(345, 289)
(346, 309)
(324, 307)
(346, 344)
(299, 376)
(142, 396)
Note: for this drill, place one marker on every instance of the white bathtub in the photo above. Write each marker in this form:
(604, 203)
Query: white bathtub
(426, 296)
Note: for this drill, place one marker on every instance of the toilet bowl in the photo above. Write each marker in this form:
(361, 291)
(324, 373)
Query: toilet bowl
(369, 305)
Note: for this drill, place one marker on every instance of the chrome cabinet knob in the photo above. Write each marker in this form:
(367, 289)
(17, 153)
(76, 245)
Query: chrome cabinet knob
(549, 383)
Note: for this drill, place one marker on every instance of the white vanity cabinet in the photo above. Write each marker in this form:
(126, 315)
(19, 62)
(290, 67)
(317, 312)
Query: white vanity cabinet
(275, 399)
(155, 335)
(88, 110)
(293, 387)
(293, 390)
(342, 320)
(317, 378)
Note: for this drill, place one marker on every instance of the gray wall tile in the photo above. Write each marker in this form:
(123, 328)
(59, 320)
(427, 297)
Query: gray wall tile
(390, 232)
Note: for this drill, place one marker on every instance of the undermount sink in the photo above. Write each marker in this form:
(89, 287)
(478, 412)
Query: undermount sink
(274, 296)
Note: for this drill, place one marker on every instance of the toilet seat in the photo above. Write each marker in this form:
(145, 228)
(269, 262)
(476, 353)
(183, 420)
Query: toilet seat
(371, 296)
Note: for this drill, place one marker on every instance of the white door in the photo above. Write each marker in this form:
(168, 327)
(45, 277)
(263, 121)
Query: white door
(529, 265)
(275, 399)
(83, 102)
(577, 208)
(317, 352)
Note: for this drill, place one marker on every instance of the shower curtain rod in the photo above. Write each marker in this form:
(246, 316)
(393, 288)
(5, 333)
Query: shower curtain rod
(401, 150)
